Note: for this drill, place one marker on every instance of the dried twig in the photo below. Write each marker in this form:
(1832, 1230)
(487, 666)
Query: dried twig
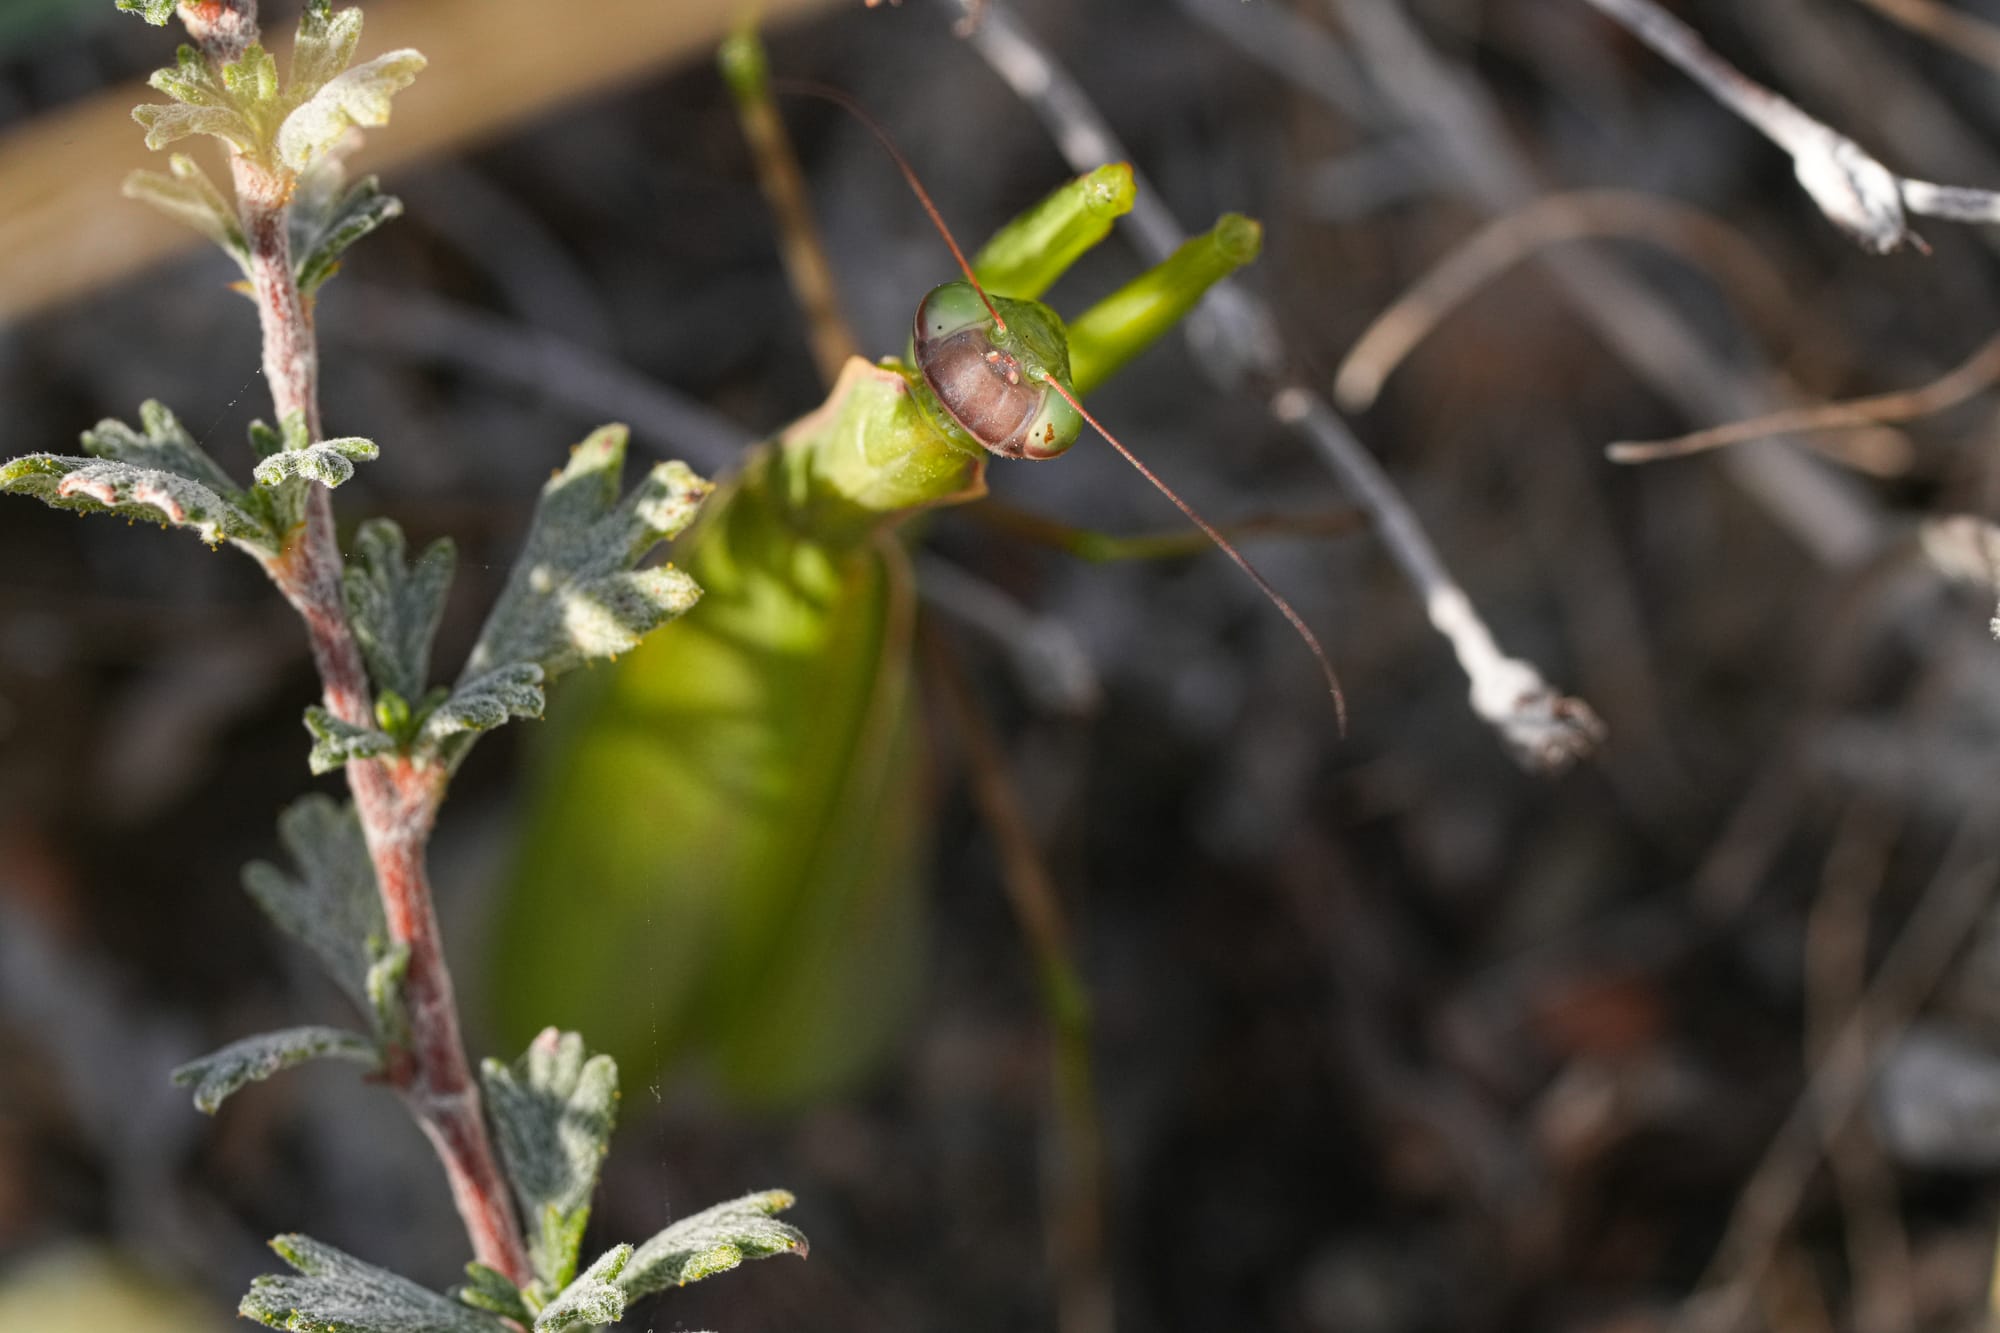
(1826, 514)
(1836, 969)
(811, 274)
(1076, 1211)
(1854, 190)
(1545, 730)
(1951, 904)
(1977, 374)
(1508, 240)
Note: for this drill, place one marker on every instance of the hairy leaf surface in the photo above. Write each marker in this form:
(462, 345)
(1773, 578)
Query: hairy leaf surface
(336, 1293)
(552, 1112)
(574, 595)
(332, 906)
(489, 1290)
(218, 1075)
(485, 702)
(359, 96)
(328, 216)
(713, 1241)
(159, 476)
(593, 1299)
(155, 12)
(186, 194)
(395, 604)
(337, 743)
(328, 462)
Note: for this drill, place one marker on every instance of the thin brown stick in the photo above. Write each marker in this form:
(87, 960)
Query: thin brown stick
(1973, 38)
(1836, 958)
(840, 99)
(1703, 240)
(1076, 1222)
(1977, 374)
(1953, 901)
(784, 185)
(396, 801)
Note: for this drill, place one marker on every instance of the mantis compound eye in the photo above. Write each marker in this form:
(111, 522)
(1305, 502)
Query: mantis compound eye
(992, 382)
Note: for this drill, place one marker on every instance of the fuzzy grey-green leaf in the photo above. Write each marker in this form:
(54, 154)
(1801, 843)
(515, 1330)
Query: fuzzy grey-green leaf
(165, 445)
(713, 1241)
(168, 123)
(573, 595)
(251, 80)
(331, 906)
(159, 474)
(484, 703)
(328, 462)
(489, 1290)
(394, 604)
(102, 486)
(605, 617)
(359, 96)
(325, 46)
(186, 194)
(336, 743)
(155, 12)
(552, 1112)
(592, 1300)
(336, 1293)
(253, 1059)
(190, 80)
(327, 219)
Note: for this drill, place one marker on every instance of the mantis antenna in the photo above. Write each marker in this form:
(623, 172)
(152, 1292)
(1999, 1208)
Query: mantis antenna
(1285, 608)
(805, 88)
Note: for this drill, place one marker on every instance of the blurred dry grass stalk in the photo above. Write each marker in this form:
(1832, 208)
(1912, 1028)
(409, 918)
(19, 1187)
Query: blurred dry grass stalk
(496, 63)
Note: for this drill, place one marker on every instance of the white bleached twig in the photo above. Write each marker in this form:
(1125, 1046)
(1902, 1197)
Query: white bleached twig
(1852, 188)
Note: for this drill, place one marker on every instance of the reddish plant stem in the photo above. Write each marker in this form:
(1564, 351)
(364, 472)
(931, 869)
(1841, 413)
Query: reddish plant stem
(397, 801)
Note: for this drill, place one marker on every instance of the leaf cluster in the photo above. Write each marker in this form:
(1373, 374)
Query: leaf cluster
(160, 474)
(289, 124)
(331, 906)
(552, 1113)
(576, 595)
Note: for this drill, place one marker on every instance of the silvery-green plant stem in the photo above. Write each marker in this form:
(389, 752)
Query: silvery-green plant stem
(396, 800)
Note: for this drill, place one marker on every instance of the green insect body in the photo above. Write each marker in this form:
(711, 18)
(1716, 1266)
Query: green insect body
(743, 800)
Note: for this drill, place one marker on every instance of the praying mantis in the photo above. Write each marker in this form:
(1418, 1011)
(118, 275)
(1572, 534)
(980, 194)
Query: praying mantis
(756, 778)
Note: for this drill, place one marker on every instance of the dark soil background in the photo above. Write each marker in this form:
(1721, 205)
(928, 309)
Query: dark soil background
(1391, 1034)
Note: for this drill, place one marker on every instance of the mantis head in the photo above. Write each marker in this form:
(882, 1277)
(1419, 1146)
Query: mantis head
(989, 378)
